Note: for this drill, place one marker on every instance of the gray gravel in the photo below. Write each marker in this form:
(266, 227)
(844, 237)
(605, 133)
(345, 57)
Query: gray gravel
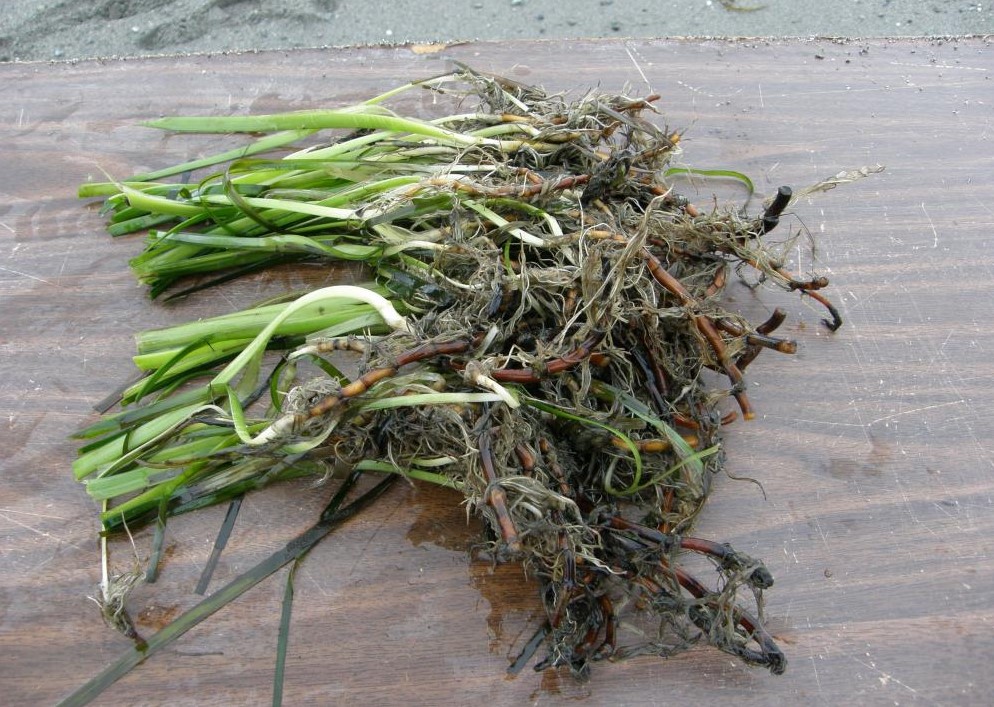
(75, 29)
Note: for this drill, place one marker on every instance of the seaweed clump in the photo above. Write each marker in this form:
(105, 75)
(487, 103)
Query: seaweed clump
(545, 333)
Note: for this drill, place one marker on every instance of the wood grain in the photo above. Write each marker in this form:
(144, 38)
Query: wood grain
(873, 445)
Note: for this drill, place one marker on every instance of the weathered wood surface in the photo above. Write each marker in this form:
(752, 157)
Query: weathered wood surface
(873, 445)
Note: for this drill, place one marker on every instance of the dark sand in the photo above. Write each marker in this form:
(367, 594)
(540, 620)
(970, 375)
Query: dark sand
(75, 29)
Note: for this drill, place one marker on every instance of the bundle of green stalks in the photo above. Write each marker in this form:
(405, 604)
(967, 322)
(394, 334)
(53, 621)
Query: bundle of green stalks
(542, 330)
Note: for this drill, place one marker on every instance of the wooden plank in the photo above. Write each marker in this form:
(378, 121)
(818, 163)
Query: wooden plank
(872, 444)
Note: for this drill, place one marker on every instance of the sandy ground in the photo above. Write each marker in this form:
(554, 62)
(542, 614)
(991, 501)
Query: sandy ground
(74, 29)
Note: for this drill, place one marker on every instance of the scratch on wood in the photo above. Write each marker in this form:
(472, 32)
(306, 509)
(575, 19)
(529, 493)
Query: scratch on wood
(33, 515)
(939, 66)
(814, 667)
(914, 410)
(32, 277)
(42, 533)
(638, 68)
(886, 678)
(935, 233)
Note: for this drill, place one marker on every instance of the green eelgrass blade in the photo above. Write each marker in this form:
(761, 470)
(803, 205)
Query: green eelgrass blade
(356, 118)
(248, 323)
(420, 83)
(283, 243)
(330, 369)
(169, 489)
(713, 173)
(689, 459)
(693, 460)
(197, 362)
(209, 485)
(283, 637)
(282, 205)
(281, 382)
(155, 204)
(115, 199)
(158, 541)
(625, 439)
(158, 347)
(151, 383)
(232, 265)
(127, 481)
(245, 266)
(219, 544)
(121, 449)
(263, 144)
(238, 416)
(332, 517)
(240, 478)
(139, 223)
(320, 298)
(643, 412)
(116, 424)
(419, 474)
(529, 650)
(167, 259)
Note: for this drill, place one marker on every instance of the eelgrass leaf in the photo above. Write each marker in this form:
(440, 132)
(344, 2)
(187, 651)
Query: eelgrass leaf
(160, 204)
(280, 244)
(151, 383)
(127, 482)
(308, 318)
(219, 544)
(283, 635)
(692, 459)
(333, 516)
(560, 412)
(138, 223)
(120, 450)
(263, 144)
(358, 118)
(244, 266)
(713, 173)
(329, 369)
(158, 542)
(113, 425)
(238, 416)
(419, 474)
(645, 413)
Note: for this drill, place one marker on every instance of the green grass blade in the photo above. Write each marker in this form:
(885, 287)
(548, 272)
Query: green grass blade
(359, 118)
(283, 637)
(713, 173)
(223, 534)
(332, 517)
(158, 543)
(264, 144)
(626, 440)
(248, 323)
(238, 416)
(280, 244)
(420, 475)
(122, 449)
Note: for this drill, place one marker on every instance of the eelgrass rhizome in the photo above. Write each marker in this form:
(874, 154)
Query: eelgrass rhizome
(541, 329)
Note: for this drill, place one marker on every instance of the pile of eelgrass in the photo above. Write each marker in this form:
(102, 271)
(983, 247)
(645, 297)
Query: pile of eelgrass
(542, 330)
